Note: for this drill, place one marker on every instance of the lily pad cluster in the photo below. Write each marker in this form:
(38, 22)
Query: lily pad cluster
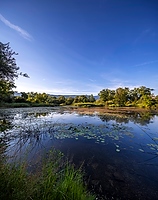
(99, 133)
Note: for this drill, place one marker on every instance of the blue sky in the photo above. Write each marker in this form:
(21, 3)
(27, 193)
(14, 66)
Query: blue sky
(82, 46)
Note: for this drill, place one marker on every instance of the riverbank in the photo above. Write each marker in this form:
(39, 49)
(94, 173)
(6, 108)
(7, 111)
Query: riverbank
(112, 111)
(116, 111)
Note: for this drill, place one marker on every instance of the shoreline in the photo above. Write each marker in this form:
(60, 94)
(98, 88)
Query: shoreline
(113, 111)
(100, 110)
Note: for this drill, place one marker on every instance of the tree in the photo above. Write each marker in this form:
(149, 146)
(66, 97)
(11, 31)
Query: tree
(144, 91)
(69, 100)
(133, 95)
(82, 99)
(8, 71)
(106, 94)
(8, 66)
(6, 90)
(24, 95)
(121, 96)
(91, 98)
(61, 99)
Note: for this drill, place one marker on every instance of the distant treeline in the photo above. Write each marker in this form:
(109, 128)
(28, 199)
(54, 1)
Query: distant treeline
(121, 97)
(9, 71)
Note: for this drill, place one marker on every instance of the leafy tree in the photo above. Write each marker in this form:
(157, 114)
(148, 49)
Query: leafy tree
(156, 99)
(83, 99)
(147, 101)
(61, 99)
(69, 100)
(24, 95)
(76, 99)
(54, 100)
(8, 71)
(144, 91)
(8, 66)
(103, 94)
(106, 95)
(35, 97)
(6, 90)
(133, 95)
(121, 96)
(42, 97)
(145, 97)
(91, 98)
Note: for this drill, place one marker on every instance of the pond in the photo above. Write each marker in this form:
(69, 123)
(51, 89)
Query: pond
(119, 154)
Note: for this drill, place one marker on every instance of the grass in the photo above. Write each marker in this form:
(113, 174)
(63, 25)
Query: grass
(23, 105)
(54, 179)
(87, 105)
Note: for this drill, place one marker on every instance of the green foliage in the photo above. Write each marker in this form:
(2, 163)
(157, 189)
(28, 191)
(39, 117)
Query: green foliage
(146, 101)
(91, 98)
(69, 100)
(19, 100)
(37, 97)
(106, 94)
(6, 90)
(54, 180)
(121, 96)
(137, 97)
(84, 99)
(8, 67)
(81, 99)
(8, 72)
(61, 99)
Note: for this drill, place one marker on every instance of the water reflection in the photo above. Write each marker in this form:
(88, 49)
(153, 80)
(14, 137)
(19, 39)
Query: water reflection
(60, 124)
(142, 118)
(120, 152)
(139, 118)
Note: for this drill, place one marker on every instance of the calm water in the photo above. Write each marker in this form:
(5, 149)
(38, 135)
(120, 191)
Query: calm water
(119, 154)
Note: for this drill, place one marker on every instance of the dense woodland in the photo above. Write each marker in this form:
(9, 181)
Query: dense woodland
(121, 97)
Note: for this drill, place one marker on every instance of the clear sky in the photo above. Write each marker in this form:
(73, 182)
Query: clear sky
(82, 46)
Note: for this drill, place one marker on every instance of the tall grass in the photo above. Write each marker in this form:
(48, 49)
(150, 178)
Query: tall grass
(54, 179)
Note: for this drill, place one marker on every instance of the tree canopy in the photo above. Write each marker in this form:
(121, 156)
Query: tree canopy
(8, 71)
(141, 97)
(8, 66)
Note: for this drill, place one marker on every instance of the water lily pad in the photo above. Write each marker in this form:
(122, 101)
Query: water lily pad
(155, 138)
(141, 150)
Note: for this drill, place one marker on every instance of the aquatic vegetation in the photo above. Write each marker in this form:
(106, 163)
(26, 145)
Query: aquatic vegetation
(70, 130)
(55, 179)
(98, 141)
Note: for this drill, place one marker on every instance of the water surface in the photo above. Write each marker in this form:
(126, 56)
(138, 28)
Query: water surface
(119, 154)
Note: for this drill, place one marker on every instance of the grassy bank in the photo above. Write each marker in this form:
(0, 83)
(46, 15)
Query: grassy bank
(116, 110)
(52, 180)
(23, 105)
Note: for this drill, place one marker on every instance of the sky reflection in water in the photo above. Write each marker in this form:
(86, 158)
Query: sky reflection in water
(120, 155)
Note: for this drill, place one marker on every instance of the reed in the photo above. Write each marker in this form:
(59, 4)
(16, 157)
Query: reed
(54, 179)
